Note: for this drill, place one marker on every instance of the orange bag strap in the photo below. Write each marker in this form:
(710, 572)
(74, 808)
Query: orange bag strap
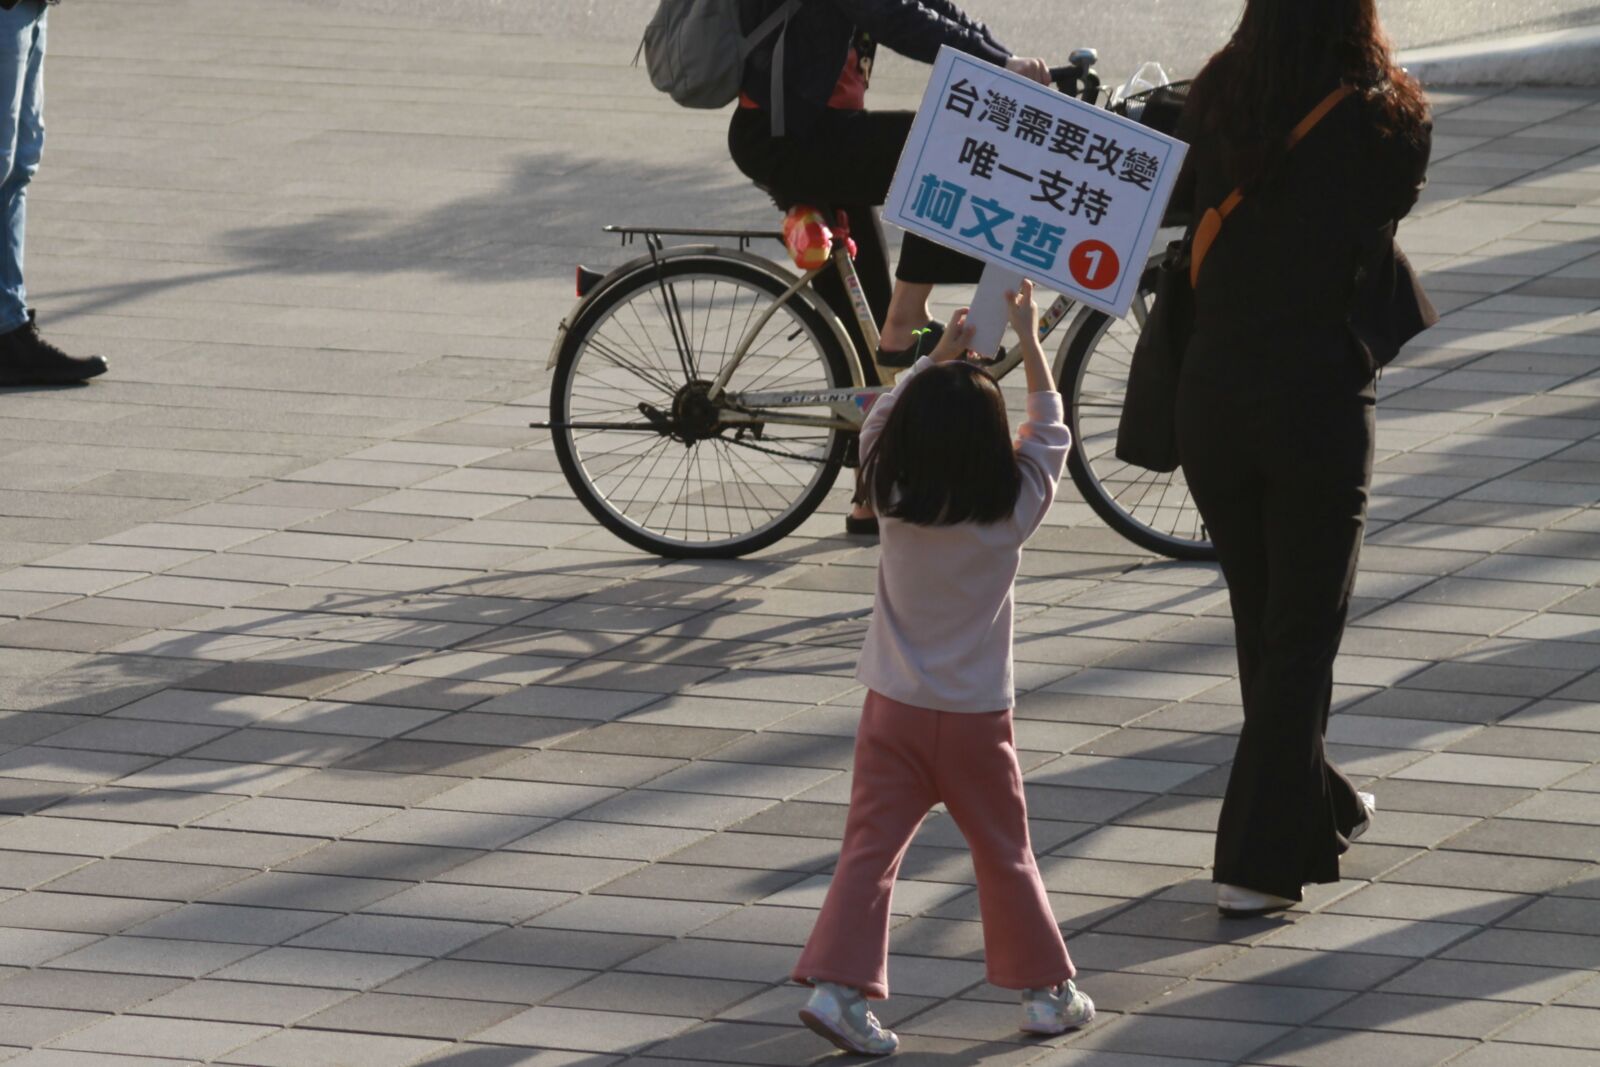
(1205, 234)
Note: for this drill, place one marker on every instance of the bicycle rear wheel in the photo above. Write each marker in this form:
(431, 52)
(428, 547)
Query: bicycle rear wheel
(646, 450)
(1155, 511)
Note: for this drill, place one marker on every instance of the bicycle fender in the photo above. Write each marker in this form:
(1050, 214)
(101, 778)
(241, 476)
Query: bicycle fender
(616, 274)
(648, 262)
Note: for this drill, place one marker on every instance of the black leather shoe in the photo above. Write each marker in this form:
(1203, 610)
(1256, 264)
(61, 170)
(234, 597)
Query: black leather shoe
(863, 526)
(28, 359)
(923, 341)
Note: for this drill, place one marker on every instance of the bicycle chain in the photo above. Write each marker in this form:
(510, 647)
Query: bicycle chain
(745, 443)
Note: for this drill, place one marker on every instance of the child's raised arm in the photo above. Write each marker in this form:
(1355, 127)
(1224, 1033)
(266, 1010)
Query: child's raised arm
(1025, 320)
(956, 341)
(1044, 439)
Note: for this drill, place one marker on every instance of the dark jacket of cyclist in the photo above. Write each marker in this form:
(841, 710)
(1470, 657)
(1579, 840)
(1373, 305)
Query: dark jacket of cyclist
(834, 153)
(820, 38)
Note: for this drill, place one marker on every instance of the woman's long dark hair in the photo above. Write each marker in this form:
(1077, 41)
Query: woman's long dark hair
(945, 455)
(1284, 57)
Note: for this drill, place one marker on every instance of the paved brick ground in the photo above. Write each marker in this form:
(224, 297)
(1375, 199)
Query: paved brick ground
(337, 735)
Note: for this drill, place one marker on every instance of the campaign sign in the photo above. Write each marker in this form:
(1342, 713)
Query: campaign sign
(1036, 182)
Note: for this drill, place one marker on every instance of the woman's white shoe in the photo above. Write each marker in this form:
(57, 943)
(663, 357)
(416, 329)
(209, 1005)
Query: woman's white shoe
(1369, 805)
(1235, 901)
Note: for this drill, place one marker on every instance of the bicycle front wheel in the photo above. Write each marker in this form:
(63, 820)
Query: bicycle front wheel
(647, 451)
(1154, 511)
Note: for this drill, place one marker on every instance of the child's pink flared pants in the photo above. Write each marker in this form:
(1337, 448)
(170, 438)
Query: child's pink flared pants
(908, 759)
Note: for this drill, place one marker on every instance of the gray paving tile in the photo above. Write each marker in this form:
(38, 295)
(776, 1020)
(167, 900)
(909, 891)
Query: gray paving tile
(154, 956)
(454, 829)
(377, 859)
(710, 959)
(506, 983)
(399, 934)
(578, 1028)
(230, 924)
(469, 903)
(559, 948)
(1512, 837)
(82, 990)
(1313, 1047)
(1556, 1025)
(473, 1055)
(241, 1002)
(574, 837)
(1436, 1015)
(146, 879)
(1538, 948)
(626, 915)
(1384, 937)
(70, 911)
(323, 1048)
(586, 768)
(31, 1026)
(1529, 1055)
(1280, 1004)
(367, 787)
(1486, 871)
(319, 967)
(321, 892)
(412, 1016)
(181, 1038)
(1153, 1035)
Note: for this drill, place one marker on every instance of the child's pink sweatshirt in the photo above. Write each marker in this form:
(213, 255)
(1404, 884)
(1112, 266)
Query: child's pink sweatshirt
(940, 635)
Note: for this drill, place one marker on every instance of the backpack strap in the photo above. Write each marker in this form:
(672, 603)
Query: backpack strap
(759, 34)
(1205, 234)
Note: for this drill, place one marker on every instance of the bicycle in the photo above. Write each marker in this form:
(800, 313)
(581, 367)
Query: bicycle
(704, 399)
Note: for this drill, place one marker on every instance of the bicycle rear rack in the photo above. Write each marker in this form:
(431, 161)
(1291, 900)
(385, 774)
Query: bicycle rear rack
(653, 234)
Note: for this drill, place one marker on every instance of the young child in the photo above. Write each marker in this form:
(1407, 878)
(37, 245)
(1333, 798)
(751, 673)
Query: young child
(957, 499)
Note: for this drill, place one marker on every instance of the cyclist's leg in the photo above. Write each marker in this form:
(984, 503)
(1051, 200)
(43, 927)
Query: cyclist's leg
(851, 158)
(922, 264)
(872, 268)
(837, 165)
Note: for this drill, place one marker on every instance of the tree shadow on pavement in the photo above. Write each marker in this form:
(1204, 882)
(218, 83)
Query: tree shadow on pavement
(545, 217)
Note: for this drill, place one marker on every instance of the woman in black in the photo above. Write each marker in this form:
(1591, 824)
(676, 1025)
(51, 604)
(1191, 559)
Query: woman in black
(1303, 296)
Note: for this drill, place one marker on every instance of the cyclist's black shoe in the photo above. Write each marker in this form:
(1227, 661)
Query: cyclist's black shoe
(923, 342)
(28, 359)
(861, 526)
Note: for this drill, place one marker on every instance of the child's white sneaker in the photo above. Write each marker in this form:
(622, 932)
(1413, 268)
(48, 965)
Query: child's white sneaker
(1055, 1011)
(839, 1014)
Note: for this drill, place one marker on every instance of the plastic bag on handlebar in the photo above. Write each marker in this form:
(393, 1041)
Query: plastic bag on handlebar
(1158, 108)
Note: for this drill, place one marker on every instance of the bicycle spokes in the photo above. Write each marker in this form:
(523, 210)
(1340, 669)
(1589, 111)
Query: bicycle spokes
(654, 448)
(1155, 510)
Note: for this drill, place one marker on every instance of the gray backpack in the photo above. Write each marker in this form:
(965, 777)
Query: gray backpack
(695, 52)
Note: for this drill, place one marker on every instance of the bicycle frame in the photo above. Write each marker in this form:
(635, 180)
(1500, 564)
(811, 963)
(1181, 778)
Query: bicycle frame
(849, 406)
(846, 407)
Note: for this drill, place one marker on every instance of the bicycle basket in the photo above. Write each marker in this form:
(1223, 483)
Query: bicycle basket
(1158, 108)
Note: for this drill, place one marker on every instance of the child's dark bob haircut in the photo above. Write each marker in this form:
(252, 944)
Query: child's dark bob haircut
(945, 455)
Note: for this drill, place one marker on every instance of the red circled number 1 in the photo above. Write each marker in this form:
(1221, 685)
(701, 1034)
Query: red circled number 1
(1094, 265)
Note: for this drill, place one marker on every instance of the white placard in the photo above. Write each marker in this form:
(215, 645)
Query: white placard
(991, 311)
(1029, 179)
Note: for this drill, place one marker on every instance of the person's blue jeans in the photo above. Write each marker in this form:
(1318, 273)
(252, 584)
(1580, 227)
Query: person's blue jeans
(22, 39)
